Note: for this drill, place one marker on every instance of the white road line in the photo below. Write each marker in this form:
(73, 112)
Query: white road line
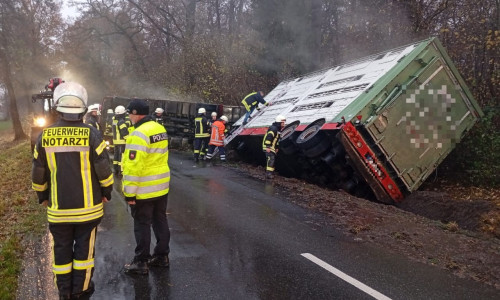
(346, 277)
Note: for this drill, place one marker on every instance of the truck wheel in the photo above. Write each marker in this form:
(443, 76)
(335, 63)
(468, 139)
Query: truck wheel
(288, 136)
(312, 135)
(318, 149)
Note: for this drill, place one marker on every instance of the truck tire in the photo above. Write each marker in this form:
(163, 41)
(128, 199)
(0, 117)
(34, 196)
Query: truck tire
(312, 135)
(318, 149)
(288, 137)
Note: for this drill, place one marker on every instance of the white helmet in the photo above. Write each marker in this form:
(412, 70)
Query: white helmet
(109, 111)
(119, 110)
(70, 98)
(201, 110)
(94, 107)
(159, 110)
(280, 118)
(214, 114)
(224, 118)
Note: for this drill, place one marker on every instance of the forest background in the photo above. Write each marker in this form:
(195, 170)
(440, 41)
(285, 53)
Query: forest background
(218, 51)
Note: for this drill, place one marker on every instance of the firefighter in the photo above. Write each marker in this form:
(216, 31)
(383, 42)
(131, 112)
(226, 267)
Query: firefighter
(72, 178)
(160, 117)
(146, 178)
(217, 139)
(92, 118)
(120, 133)
(213, 118)
(270, 144)
(251, 101)
(201, 135)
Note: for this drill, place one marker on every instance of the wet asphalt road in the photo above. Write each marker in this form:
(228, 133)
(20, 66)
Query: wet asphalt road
(234, 237)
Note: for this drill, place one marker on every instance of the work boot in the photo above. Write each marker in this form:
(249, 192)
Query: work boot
(159, 261)
(269, 175)
(137, 267)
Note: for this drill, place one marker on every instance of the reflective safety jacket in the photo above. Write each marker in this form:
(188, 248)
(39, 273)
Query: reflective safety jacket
(253, 100)
(71, 169)
(272, 137)
(201, 126)
(93, 121)
(146, 174)
(217, 137)
(120, 130)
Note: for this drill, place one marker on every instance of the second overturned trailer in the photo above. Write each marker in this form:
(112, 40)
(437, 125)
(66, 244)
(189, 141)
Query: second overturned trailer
(376, 126)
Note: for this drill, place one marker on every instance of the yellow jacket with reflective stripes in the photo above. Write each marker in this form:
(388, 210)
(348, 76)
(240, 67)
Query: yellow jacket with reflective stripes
(201, 126)
(120, 130)
(271, 138)
(146, 174)
(71, 169)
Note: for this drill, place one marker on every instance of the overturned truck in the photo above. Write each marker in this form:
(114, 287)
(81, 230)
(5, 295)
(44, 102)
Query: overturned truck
(375, 127)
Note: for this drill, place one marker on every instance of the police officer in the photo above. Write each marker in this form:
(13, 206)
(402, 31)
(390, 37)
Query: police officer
(251, 101)
(217, 139)
(72, 178)
(270, 144)
(92, 117)
(201, 134)
(120, 133)
(146, 178)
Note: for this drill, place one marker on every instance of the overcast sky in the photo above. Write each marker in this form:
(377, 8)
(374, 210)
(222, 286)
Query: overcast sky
(68, 11)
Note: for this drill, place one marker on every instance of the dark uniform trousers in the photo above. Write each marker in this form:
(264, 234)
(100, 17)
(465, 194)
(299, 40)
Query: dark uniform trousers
(200, 146)
(145, 214)
(74, 242)
(270, 159)
(117, 157)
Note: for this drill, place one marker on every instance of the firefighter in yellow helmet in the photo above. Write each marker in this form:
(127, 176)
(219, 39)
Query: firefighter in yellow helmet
(146, 179)
(72, 178)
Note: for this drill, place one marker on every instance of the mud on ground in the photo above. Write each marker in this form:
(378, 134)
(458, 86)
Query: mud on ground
(451, 227)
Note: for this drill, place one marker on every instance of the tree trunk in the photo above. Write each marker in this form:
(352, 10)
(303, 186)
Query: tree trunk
(14, 114)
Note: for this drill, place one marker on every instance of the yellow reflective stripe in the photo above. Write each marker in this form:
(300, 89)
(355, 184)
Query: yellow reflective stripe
(101, 148)
(74, 211)
(83, 264)
(75, 219)
(90, 257)
(51, 159)
(39, 187)
(35, 152)
(107, 182)
(86, 179)
(62, 269)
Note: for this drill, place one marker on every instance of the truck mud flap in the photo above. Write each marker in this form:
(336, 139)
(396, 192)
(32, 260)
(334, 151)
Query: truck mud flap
(361, 167)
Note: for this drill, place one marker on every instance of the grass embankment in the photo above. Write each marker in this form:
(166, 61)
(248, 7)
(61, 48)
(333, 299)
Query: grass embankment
(21, 217)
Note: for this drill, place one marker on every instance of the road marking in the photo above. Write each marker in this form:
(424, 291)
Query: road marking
(346, 277)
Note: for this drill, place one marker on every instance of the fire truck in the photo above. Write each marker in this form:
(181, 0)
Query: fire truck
(45, 113)
(375, 127)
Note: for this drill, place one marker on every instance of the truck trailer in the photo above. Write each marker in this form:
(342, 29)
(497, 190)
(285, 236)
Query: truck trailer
(375, 127)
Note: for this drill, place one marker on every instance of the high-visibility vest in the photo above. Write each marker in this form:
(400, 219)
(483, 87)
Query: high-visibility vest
(217, 137)
(71, 170)
(146, 173)
(201, 127)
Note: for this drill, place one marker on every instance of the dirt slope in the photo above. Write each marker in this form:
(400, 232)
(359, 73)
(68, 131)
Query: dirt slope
(431, 226)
